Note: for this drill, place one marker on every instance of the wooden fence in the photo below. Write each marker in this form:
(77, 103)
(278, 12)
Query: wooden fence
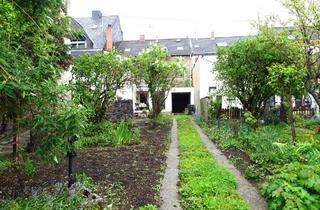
(304, 111)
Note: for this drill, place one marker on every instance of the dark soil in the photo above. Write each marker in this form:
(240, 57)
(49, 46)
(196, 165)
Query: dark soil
(241, 158)
(134, 172)
(241, 161)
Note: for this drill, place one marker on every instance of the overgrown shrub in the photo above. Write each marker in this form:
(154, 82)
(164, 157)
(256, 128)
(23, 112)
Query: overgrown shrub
(296, 186)
(214, 110)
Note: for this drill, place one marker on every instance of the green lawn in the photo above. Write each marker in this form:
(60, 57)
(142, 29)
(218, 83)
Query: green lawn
(204, 183)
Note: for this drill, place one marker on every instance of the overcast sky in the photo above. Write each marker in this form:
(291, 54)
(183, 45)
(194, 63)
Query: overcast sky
(181, 18)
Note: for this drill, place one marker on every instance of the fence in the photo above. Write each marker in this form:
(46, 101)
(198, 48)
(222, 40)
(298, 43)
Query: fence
(304, 111)
(237, 113)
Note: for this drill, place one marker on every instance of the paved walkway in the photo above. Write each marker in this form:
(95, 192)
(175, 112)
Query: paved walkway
(244, 187)
(169, 189)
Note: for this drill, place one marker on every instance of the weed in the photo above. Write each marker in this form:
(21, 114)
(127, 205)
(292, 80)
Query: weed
(28, 168)
(204, 183)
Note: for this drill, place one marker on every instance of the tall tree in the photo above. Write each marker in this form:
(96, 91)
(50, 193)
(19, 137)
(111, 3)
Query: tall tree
(243, 66)
(158, 71)
(306, 32)
(97, 79)
(34, 55)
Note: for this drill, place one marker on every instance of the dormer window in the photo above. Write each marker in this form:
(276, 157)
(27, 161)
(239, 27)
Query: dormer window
(78, 43)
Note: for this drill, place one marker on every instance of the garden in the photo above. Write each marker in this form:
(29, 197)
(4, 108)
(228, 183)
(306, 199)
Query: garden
(58, 148)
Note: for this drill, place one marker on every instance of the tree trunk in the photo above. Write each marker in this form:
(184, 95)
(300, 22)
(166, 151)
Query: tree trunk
(293, 130)
(4, 123)
(283, 113)
(15, 139)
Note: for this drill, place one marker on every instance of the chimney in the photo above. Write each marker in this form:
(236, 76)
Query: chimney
(142, 37)
(212, 35)
(96, 14)
(109, 37)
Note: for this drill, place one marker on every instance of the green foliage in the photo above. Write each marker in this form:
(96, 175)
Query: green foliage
(148, 207)
(29, 168)
(271, 151)
(287, 81)
(107, 133)
(250, 119)
(60, 199)
(296, 186)
(158, 71)
(204, 184)
(57, 128)
(4, 164)
(243, 67)
(32, 59)
(306, 19)
(214, 109)
(96, 80)
(125, 134)
(163, 119)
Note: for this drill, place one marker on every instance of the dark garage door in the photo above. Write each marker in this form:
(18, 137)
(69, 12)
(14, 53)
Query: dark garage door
(180, 102)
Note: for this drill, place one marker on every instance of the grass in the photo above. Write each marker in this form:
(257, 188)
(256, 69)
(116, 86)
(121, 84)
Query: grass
(204, 183)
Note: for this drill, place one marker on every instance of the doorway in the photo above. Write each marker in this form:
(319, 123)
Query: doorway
(180, 102)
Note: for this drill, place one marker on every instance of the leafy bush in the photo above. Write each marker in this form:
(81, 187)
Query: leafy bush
(296, 186)
(214, 110)
(107, 133)
(4, 164)
(250, 119)
(29, 168)
(204, 183)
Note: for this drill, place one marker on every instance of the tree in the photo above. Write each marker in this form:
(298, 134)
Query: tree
(287, 81)
(158, 71)
(306, 31)
(32, 58)
(97, 79)
(243, 67)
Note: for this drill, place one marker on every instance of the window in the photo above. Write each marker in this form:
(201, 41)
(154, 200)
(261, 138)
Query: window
(212, 89)
(78, 43)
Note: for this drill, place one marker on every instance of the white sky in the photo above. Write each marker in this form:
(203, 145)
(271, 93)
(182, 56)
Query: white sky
(181, 18)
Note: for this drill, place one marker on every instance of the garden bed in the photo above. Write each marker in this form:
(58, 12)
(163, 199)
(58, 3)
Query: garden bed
(133, 173)
(270, 159)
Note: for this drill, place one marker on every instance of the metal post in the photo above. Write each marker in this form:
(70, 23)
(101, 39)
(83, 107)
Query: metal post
(72, 165)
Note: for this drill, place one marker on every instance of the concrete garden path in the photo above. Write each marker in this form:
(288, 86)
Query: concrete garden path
(169, 189)
(244, 187)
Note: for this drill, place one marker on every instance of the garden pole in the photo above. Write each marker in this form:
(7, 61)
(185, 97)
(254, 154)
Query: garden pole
(72, 165)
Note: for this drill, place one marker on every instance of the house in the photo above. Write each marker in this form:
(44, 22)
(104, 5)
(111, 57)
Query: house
(99, 33)
(95, 34)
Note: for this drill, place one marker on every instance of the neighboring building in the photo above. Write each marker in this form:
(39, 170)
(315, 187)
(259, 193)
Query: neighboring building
(99, 33)
(96, 33)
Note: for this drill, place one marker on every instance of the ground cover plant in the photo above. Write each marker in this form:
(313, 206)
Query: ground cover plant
(288, 170)
(203, 183)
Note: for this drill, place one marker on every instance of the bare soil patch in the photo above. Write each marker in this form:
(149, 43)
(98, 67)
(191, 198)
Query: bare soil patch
(134, 172)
